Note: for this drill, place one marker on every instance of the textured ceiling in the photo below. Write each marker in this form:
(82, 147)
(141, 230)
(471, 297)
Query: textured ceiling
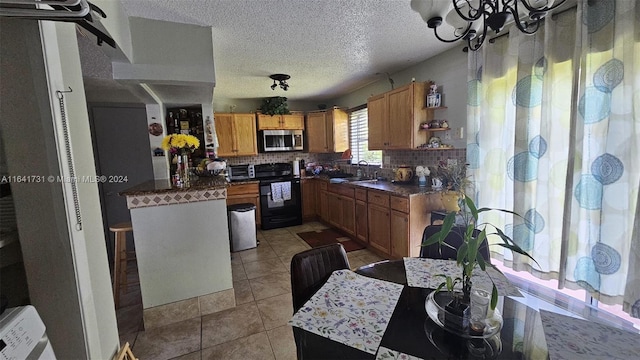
(329, 47)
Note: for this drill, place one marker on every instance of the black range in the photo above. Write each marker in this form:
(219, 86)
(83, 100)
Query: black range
(280, 195)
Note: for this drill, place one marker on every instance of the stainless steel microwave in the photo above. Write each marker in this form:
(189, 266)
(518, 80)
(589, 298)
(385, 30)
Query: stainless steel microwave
(280, 140)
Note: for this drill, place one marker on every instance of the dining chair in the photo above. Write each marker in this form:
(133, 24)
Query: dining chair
(310, 269)
(454, 238)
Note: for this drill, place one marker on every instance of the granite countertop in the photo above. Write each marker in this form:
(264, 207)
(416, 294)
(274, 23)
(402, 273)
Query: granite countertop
(388, 186)
(396, 189)
(164, 186)
(244, 182)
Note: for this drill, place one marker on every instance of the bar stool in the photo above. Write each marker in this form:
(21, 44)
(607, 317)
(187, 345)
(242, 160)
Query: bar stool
(120, 258)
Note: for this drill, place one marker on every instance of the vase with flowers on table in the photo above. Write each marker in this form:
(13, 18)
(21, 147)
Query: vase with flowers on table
(180, 146)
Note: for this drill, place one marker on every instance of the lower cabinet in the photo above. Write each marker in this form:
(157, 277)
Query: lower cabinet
(322, 209)
(245, 193)
(399, 231)
(389, 223)
(348, 215)
(362, 228)
(379, 232)
(335, 214)
(362, 223)
(396, 223)
(341, 208)
(309, 189)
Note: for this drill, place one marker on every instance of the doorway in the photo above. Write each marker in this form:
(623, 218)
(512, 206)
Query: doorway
(123, 154)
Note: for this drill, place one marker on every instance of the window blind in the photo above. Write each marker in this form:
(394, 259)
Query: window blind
(359, 138)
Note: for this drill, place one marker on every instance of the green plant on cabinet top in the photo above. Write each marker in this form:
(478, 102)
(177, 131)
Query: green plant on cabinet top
(276, 105)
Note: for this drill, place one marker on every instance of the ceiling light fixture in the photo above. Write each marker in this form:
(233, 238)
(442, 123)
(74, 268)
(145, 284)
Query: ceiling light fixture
(470, 20)
(280, 79)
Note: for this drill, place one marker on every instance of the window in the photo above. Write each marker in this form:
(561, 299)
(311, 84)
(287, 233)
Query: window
(359, 139)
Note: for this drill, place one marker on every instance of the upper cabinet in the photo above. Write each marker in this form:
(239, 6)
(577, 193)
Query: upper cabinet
(395, 117)
(236, 134)
(294, 121)
(328, 131)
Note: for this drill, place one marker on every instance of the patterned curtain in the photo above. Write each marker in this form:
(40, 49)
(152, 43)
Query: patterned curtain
(554, 134)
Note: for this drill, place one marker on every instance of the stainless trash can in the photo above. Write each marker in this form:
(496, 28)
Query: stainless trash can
(242, 226)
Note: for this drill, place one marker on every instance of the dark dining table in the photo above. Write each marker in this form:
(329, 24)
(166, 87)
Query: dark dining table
(410, 330)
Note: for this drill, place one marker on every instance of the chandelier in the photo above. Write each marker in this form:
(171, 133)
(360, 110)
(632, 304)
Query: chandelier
(280, 79)
(470, 20)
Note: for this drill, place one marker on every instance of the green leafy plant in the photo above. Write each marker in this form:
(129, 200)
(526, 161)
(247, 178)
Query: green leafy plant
(454, 176)
(276, 105)
(468, 256)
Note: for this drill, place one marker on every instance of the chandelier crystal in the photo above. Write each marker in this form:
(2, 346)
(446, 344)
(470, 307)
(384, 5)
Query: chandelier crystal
(471, 20)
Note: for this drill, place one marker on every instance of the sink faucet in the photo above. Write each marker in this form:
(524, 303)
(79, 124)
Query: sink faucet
(367, 167)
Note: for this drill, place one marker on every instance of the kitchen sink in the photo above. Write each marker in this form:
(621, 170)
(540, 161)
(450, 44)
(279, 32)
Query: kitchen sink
(361, 180)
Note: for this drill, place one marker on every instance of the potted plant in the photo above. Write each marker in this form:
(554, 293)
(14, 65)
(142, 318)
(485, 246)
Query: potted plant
(454, 182)
(468, 257)
(276, 105)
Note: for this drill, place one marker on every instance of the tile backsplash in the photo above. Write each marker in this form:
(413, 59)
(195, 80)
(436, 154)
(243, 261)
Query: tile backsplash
(276, 157)
(397, 158)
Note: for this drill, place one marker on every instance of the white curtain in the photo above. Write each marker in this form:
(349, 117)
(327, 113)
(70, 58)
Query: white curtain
(554, 134)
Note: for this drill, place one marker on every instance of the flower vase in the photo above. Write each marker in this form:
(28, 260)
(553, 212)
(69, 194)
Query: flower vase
(450, 200)
(181, 177)
(457, 314)
(422, 181)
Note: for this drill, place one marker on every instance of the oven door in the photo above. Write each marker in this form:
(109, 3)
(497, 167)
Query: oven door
(279, 209)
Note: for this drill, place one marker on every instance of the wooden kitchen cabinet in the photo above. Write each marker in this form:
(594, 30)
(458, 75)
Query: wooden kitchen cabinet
(395, 223)
(341, 208)
(379, 231)
(394, 118)
(293, 121)
(377, 122)
(237, 134)
(399, 230)
(362, 228)
(322, 208)
(245, 193)
(348, 215)
(327, 131)
(335, 212)
(309, 189)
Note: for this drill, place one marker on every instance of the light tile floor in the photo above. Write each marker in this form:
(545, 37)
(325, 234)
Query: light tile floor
(255, 329)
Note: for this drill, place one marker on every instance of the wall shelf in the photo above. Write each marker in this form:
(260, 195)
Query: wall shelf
(436, 108)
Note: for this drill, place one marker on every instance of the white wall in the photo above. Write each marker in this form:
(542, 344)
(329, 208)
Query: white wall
(62, 61)
(67, 270)
(448, 70)
(117, 25)
(155, 113)
(161, 54)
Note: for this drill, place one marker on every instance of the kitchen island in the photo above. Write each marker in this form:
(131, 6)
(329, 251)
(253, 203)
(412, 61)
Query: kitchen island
(182, 249)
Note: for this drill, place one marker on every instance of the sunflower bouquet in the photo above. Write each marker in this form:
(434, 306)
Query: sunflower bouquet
(180, 143)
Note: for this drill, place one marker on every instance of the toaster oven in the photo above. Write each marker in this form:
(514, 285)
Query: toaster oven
(241, 172)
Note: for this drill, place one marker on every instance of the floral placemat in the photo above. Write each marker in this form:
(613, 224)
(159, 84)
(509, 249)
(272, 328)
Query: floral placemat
(422, 273)
(351, 309)
(571, 338)
(384, 354)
